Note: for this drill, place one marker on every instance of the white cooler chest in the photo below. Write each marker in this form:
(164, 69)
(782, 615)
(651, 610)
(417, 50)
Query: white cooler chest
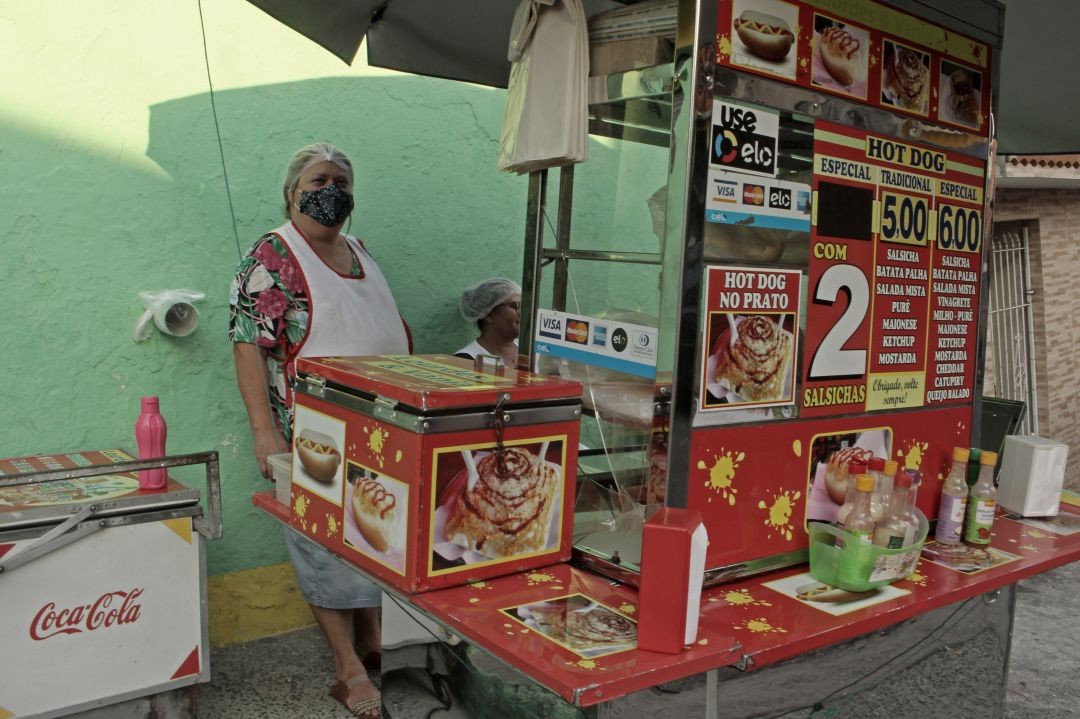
(103, 585)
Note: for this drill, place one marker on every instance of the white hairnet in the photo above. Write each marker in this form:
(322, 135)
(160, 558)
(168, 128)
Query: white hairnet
(307, 156)
(479, 300)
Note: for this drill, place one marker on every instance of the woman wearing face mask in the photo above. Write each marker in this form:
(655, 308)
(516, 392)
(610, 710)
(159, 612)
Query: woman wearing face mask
(305, 290)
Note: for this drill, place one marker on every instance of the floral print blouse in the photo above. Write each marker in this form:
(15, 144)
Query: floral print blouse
(268, 307)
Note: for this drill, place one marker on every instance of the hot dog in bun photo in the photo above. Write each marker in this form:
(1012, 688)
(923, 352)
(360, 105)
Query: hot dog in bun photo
(766, 36)
(375, 512)
(318, 454)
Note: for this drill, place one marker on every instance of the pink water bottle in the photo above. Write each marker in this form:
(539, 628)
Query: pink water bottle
(150, 432)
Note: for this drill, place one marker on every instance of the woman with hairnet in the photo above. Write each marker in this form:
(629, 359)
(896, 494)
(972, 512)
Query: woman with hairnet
(307, 289)
(494, 306)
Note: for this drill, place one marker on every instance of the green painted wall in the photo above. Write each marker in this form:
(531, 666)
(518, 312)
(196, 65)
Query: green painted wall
(113, 183)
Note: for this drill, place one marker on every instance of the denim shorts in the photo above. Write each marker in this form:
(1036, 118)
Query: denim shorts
(326, 582)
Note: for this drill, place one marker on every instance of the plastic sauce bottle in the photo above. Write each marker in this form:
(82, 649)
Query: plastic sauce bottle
(892, 531)
(879, 502)
(954, 495)
(888, 478)
(909, 506)
(855, 468)
(150, 433)
(854, 563)
(982, 500)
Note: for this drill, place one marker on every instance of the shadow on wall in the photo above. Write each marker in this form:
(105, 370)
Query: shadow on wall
(431, 205)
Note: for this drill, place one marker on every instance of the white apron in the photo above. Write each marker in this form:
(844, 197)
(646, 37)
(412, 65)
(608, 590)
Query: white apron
(346, 315)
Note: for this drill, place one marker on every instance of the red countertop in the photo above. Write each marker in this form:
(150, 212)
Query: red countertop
(748, 624)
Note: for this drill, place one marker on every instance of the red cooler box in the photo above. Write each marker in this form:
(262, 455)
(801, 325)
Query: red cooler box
(427, 474)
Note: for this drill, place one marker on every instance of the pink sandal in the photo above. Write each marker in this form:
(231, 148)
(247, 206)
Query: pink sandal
(368, 708)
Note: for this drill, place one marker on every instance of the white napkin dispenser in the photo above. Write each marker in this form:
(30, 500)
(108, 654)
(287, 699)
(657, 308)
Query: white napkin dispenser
(1031, 476)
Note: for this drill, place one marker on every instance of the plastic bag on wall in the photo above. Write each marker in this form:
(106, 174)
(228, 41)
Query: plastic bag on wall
(171, 310)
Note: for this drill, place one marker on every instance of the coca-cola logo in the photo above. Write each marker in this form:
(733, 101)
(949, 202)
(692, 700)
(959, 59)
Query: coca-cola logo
(110, 609)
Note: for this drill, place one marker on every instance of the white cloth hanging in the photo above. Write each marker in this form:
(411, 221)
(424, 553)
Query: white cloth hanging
(546, 118)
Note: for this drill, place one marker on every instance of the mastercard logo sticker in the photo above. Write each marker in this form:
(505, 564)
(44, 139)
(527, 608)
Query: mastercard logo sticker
(577, 331)
(753, 195)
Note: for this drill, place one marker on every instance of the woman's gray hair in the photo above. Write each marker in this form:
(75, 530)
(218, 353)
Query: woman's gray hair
(307, 156)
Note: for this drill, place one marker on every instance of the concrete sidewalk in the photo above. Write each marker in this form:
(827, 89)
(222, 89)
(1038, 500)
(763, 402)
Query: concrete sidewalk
(288, 676)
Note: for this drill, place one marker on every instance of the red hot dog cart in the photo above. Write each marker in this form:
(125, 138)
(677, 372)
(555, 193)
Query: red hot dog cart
(774, 260)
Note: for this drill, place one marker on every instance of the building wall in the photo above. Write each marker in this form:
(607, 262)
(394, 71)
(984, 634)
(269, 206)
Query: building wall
(1053, 218)
(124, 173)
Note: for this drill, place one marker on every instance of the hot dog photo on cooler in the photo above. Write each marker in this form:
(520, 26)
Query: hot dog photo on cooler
(375, 511)
(318, 454)
(764, 36)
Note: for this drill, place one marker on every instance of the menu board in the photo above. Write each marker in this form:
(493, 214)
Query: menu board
(865, 51)
(869, 348)
(893, 276)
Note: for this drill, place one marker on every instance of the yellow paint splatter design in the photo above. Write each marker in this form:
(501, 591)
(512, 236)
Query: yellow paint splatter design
(916, 578)
(722, 474)
(590, 664)
(377, 437)
(760, 626)
(780, 513)
(913, 455)
(743, 598)
(479, 585)
(300, 506)
(536, 578)
(796, 447)
(397, 456)
(1028, 547)
(627, 608)
(723, 46)
(333, 527)
(1035, 534)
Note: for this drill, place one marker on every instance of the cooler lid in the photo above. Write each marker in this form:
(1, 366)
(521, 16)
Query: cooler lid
(435, 382)
(26, 503)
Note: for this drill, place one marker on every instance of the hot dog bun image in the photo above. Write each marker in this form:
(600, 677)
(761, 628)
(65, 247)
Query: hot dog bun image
(767, 36)
(841, 54)
(375, 512)
(318, 454)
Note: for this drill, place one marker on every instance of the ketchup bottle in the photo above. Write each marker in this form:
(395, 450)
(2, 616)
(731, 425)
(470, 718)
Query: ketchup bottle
(150, 432)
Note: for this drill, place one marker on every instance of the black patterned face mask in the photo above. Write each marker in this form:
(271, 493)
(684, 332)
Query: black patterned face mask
(329, 206)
